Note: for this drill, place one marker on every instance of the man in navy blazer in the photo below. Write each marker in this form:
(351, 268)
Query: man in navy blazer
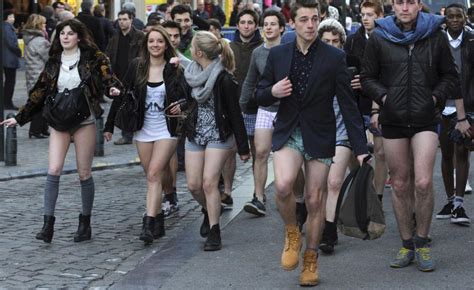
(305, 75)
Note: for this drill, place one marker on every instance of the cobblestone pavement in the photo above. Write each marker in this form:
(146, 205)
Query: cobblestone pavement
(116, 224)
(32, 156)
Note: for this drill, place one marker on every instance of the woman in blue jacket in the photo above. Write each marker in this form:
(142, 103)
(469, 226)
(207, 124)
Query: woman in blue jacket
(11, 58)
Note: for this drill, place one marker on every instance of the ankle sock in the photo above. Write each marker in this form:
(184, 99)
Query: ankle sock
(451, 198)
(87, 195)
(420, 242)
(51, 191)
(408, 244)
(458, 200)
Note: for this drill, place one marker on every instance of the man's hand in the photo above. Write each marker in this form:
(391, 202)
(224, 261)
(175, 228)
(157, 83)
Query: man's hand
(245, 157)
(282, 89)
(114, 92)
(175, 61)
(355, 83)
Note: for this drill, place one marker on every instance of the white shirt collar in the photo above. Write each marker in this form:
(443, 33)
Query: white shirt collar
(453, 41)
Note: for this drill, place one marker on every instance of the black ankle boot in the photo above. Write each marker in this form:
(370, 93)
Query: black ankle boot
(205, 227)
(159, 229)
(147, 229)
(213, 242)
(46, 233)
(301, 214)
(329, 239)
(84, 231)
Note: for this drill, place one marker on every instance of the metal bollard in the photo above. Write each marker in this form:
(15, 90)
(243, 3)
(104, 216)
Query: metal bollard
(99, 139)
(11, 144)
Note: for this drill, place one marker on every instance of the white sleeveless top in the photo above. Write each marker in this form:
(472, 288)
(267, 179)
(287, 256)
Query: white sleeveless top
(154, 127)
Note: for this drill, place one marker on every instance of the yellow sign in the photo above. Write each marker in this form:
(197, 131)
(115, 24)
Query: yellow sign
(154, 2)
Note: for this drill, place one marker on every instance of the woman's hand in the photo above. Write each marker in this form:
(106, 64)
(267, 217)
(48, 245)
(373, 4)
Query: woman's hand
(245, 157)
(9, 122)
(175, 61)
(107, 136)
(463, 127)
(176, 109)
(114, 92)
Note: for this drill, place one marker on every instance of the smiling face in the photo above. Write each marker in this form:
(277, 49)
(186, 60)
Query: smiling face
(455, 19)
(156, 44)
(247, 26)
(306, 23)
(271, 28)
(185, 21)
(68, 38)
(406, 11)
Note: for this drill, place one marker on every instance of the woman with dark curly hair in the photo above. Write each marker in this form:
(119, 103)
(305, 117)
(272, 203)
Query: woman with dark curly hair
(73, 60)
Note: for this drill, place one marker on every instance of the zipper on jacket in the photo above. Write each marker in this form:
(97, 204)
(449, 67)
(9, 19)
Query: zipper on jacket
(410, 50)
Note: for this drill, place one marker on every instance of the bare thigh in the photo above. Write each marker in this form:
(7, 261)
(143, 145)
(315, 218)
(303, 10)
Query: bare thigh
(84, 143)
(58, 146)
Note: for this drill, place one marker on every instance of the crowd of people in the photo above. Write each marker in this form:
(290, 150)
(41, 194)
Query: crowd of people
(311, 94)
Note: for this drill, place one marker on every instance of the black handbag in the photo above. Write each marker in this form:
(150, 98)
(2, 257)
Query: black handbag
(128, 118)
(66, 110)
(180, 118)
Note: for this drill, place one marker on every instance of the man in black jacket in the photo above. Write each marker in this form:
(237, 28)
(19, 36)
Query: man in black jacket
(123, 47)
(461, 43)
(92, 23)
(409, 72)
(370, 10)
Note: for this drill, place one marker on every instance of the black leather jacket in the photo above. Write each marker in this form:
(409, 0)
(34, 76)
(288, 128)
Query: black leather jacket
(175, 86)
(467, 71)
(410, 76)
(227, 111)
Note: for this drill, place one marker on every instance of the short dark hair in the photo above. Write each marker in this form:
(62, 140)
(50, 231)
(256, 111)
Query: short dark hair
(270, 12)
(249, 12)
(303, 4)
(154, 16)
(7, 13)
(123, 12)
(181, 9)
(55, 4)
(172, 24)
(214, 22)
(162, 7)
(455, 5)
(86, 5)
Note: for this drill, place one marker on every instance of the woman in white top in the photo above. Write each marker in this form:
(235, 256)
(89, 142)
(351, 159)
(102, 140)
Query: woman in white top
(157, 84)
(73, 58)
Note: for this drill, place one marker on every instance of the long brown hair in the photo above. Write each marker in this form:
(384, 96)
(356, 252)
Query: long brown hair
(86, 42)
(144, 62)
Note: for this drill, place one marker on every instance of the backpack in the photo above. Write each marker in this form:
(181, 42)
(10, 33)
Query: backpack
(359, 212)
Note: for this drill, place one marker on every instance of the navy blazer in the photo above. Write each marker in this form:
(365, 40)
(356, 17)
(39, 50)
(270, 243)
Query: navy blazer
(314, 113)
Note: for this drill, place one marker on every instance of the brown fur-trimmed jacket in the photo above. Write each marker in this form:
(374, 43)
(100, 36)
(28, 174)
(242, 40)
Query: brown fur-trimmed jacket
(93, 63)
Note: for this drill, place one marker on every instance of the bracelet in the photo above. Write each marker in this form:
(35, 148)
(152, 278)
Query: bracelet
(374, 113)
(462, 120)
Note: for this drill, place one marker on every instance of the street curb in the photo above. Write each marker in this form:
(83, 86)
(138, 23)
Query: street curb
(67, 170)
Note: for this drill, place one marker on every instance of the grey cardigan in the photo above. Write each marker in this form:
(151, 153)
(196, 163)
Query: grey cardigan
(36, 55)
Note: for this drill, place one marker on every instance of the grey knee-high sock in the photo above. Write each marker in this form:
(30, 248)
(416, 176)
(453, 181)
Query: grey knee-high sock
(51, 191)
(87, 195)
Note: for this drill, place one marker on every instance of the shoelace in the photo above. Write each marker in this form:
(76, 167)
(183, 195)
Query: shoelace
(425, 253)
(309, 263)
(403, 253)
(292, 240)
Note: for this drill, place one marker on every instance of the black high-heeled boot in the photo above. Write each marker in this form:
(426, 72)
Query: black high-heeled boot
(159, 229)
(147, 229)
(84, 231)
(213, 242)
(46, 233)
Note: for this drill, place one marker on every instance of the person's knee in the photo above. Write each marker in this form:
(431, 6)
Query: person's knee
(315, 201)
(209, 184)
(423, 185)
(334, 184)
(84, 174)
(261, 154)
(55, 170)
(283, 188)
(194, 186)
(379, 154)
(400, 186)
(152, 176)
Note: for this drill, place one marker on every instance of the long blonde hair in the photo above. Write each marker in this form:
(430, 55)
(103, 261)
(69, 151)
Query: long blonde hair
(213, 47)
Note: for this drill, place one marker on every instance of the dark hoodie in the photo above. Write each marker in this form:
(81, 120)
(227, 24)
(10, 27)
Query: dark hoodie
(242, 54)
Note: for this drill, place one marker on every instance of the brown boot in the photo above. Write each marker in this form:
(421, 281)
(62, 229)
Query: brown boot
(309, 274)
(291, 252)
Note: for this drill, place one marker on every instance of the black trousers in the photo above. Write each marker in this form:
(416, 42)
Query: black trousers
(9, 86)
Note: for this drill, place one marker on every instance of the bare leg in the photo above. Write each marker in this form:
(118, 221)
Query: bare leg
(424, 146)
(315, 196)
(263, 145)
(397, 157)
(229, 171)
(213, 164)
(58, 146)
(335, 179)
(287, 163)
(194, 170)
(380, 172)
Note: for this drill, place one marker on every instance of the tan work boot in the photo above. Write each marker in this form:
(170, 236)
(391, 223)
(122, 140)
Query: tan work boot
(309, 274)
(291, 252)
